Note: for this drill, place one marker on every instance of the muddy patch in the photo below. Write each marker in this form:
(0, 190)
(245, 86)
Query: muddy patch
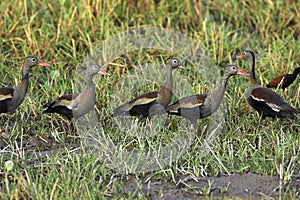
(236, 185)
(180, 187)
(35, 149)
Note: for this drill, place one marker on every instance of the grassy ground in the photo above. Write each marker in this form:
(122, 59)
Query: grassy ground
(64, 33)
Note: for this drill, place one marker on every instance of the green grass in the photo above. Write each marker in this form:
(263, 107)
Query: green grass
(63, 33)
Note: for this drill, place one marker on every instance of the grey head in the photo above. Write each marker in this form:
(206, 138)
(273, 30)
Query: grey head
(174, 63)
(31, 61)
(248, 55)
(93, 69)
(231, 70)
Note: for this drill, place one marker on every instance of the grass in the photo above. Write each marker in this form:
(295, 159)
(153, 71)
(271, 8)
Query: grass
(63, 33)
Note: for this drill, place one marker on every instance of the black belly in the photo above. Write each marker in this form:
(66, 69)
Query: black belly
(191, 114)
(4, 106)
(265, 111)
(63, 110)
(146, 110)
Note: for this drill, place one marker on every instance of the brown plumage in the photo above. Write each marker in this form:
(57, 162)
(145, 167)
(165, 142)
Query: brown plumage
(203, 105)
(151, 103)
(265, 101)
(284, 80)
(12, 97)
(77, 104)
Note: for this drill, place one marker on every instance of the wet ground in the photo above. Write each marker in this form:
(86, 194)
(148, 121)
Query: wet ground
(234, 186)
(180, 187)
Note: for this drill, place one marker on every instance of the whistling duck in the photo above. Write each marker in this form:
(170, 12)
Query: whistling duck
(285, 80)
(151, 103)
(265, 101)
(77, 104)
(12, 97)
(203, 105)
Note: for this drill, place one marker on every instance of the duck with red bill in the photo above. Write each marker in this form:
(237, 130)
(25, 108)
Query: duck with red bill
(203, 105)
(12, 97)
(77, 104)
(151, 103)
(265, 101)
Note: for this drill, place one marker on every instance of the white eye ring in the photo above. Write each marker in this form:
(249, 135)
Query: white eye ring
(244, 53)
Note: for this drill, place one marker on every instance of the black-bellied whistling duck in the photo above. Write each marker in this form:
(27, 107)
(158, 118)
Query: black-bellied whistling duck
(151, 103)
(77, 104)
(284, 80)
(203, 105)
(12, 97)
(265, 101)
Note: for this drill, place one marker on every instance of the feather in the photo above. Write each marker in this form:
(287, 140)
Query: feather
(6, 93)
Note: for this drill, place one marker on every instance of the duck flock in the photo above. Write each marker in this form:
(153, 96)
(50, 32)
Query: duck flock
(264, 100)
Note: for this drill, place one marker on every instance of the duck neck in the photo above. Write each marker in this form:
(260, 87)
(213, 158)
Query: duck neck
(23, 86)
(251, 63)
(294, 74)
(89, 94)
(218, 94)
(90, 83)
(169, 82)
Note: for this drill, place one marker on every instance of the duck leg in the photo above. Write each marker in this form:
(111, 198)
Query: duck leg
(194, 126)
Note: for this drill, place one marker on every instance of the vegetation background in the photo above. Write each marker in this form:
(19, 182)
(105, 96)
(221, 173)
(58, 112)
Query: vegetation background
(64, 32)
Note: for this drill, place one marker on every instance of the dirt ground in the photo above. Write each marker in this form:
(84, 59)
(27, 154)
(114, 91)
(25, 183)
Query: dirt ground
(183, 186)
(234, 186)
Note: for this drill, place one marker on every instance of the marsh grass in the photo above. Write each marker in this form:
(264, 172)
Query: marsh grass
(63, 33)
